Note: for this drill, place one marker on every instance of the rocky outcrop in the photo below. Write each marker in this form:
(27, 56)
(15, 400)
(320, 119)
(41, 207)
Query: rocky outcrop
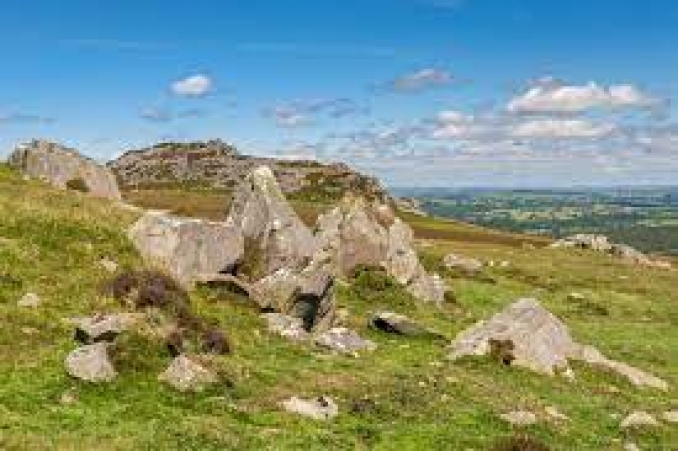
(357, 233)
(91, 363)
(64, 168)
(187, 248)
(602, 244)
(526, 334)
(260, 210)
(218, 165)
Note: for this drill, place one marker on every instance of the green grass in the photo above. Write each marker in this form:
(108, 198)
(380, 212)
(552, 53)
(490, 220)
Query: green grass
(404, 396)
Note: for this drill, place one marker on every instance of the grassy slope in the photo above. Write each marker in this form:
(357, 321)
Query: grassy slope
(405, 395)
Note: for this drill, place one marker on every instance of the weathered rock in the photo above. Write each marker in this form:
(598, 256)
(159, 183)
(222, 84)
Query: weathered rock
(398, 324)
(61, 166)
(429, 288)
(525, 334)
(29, 300)
(91, 363)
(322, 408)
(286, 326)
(402, 262)
(639, 420)
(630, 446)
(470, 266)
(671, 416)
(267, 221)
(186, 375)
(108, 265)
(102, 327)
(519, 418)
(343, 340)
(187, 248)
(599, 243)
(555, 414)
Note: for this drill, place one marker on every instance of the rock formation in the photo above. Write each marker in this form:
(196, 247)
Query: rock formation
(269, 223)
(187, 248)
(602, 244)
(64, 168)
(527, 335)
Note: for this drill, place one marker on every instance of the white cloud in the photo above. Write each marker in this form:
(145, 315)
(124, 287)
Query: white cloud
(421, 79)
(554, 98)
(561, 128)
(194, 86)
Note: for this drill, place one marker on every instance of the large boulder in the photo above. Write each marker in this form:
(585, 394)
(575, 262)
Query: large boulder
(267, 221)
(526, 334)
(91, 363)
(63, 168)
(187, 248)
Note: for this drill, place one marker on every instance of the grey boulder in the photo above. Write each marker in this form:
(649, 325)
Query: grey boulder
(186, 375)
(344, 341)
(91, 363)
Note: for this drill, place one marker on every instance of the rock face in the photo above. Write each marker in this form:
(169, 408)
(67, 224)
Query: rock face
(91, 363)
(525, 334)
(186, 375)
(61, 166)
(187, 248)
(216, 164)
(261, 212)
(601, 243)
(359, 233)
(322, 408)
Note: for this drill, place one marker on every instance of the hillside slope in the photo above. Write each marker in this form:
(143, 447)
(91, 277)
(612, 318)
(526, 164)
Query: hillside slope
(405, 395)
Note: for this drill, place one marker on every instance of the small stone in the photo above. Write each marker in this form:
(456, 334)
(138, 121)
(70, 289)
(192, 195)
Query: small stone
(555, 414)
(519, 418)
(671, 416)
(91, 363)
(639, 419)
(69, 397)
(29, 300)
(108, 265)
(630, 446)
(186, 375)
(321, 408)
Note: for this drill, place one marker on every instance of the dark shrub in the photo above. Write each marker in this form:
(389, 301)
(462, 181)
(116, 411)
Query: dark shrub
(519, 443)
(77, 184)
(215, 342)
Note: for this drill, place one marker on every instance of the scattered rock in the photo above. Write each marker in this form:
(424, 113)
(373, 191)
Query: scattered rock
(671, 416)
(343, 340)
(555, 414)
(321, 408)
(527, 335)
(398, 324)
(601, 243)
(63, 167)
(29, 300)
(574, 296)
(630, 446)
(91, 363)
(102, 327)
(69, 397)
(519, 418)
(187, 248)
(639, 420)
(186, 375)
(108, 265)
(260, 210)
(470, 266)
(286, 326)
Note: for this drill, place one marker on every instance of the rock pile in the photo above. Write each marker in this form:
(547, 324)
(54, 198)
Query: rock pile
(64, 168)
(526, 334)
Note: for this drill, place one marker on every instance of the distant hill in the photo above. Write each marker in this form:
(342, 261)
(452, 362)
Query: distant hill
(217, 165)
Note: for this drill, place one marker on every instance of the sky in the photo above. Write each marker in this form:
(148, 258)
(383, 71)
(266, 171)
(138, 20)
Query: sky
(421, 93)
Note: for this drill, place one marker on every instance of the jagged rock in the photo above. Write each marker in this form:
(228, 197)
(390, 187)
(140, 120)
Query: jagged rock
(321, 408)
(29, 300)
(525, 334)
(267, 221)
(187, 248)
(102, 327)
(286, 326)
(671, 416)
(344, 340)
(519, 418)
(91, 363)
(398, 324)
(356, 233)
(186, 375)
(468, 265)
(638, 420)
(61, 166)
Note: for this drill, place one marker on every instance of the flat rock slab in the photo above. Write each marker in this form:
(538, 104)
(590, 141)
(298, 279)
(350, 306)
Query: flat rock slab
(91, 363)
(186, 375)
(322, 408)
(345, 341)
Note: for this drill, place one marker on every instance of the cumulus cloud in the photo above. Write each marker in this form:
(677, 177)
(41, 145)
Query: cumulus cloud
(421, 79)
(193, 86)
(557, 98)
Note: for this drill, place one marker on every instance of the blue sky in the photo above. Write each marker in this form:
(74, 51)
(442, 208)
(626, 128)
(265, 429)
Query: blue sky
(418, 92)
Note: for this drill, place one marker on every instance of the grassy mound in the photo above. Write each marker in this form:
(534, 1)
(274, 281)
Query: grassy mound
(405, 395)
